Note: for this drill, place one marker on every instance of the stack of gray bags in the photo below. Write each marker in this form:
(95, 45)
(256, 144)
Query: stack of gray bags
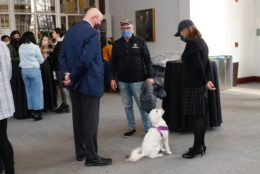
(149, 94)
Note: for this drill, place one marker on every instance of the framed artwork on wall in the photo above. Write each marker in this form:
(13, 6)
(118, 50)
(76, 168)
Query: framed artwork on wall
(145, 24)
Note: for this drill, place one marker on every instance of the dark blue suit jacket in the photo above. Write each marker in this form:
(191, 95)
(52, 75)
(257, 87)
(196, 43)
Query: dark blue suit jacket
(81, 57)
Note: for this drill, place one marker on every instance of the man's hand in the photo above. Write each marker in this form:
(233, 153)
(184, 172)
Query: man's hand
(210, 86)
(150, 80)
(113, 85)
(67, 80)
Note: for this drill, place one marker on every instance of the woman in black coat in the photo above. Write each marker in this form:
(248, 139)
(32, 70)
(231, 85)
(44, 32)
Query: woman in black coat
(196, 80)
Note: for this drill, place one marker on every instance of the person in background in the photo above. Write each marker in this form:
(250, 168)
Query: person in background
(197, 77)
(82, 68)
(131, 65)
(5, 39)
(6, 108)
(30, 60)
(107, 55)
(57, 35)
(17, 84)
(50, 101)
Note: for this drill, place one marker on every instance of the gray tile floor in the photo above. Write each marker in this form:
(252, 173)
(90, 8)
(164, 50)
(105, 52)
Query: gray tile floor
(47, 147)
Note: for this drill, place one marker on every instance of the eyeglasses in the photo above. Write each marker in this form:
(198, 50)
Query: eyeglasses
(125, 28)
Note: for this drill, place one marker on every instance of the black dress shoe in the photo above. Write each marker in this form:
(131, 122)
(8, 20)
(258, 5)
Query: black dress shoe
(80, 158)
(105, 158)
(37, 115)
(129, 133)
(99, 162)
(193, 152)
(203, 147)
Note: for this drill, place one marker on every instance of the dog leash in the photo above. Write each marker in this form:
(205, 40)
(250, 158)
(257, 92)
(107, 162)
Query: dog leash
(160, 129)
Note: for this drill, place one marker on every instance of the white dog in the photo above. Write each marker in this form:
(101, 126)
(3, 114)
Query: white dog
(155, 138)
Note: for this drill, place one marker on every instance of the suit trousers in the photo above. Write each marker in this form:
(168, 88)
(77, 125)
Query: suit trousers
(85, 115)
(6, 149)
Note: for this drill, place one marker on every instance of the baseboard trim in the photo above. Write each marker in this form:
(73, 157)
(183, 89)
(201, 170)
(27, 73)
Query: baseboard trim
(248, 79)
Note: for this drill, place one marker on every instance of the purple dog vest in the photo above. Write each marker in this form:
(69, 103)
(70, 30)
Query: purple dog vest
(160, 129)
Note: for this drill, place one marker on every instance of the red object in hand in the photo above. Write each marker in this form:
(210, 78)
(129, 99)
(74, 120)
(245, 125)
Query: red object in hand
(236, 44)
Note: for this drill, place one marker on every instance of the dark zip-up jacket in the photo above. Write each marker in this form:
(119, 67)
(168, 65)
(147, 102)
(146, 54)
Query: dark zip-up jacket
(131, 62)
(55, 57)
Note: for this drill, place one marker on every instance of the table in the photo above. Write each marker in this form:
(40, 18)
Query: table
(173, 103)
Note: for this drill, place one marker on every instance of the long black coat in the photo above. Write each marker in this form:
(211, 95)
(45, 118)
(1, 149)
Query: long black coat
(196, 67)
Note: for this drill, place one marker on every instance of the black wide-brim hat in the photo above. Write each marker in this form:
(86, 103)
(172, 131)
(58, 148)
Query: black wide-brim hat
(183, 24)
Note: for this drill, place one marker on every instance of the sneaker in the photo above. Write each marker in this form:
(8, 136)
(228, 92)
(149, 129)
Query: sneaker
(129, 133)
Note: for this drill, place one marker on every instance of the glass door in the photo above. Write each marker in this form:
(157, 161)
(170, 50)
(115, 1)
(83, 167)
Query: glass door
(105, 31)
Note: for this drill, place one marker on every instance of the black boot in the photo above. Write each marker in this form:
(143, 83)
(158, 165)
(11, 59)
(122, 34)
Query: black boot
(37, 115)
(63, 109)
(60, 108)
(67, 108)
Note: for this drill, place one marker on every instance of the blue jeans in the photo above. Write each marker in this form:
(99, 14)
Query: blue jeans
(33, 86)
(127, 90)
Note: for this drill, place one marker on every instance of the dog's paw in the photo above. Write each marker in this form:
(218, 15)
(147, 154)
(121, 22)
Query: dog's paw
(160, 155)
(169, 152)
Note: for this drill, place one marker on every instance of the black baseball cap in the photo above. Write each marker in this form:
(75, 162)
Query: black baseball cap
(183, 24)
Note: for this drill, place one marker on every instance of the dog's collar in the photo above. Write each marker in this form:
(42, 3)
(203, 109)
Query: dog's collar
(160, 129)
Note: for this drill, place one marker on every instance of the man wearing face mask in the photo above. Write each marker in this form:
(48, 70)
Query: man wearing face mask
(81, 66)
(131, 65)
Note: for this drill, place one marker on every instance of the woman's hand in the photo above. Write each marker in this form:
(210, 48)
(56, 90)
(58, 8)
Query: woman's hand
(210, 86)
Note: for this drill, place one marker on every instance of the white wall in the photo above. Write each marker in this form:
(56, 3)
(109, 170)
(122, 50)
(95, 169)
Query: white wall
(257, 41)
(222, 23)
(167, 16)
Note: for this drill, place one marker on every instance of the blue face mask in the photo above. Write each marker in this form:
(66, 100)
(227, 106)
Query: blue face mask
(182, 37)
(126, 33)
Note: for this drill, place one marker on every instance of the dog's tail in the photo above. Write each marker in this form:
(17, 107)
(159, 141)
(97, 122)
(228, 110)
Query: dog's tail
(136, 154)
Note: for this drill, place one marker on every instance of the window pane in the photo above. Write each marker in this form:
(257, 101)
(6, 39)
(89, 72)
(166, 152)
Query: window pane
(74, 19)
(85, 4)
(4, 20)
(45, 6)
(76, 6)
(25, 23)
(46, 23)
(63, 23)
(68, 7)
(26, 6)
(3, 5)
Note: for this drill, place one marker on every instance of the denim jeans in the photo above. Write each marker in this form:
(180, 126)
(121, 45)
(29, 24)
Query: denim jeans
(127, 91)
(33, 86)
